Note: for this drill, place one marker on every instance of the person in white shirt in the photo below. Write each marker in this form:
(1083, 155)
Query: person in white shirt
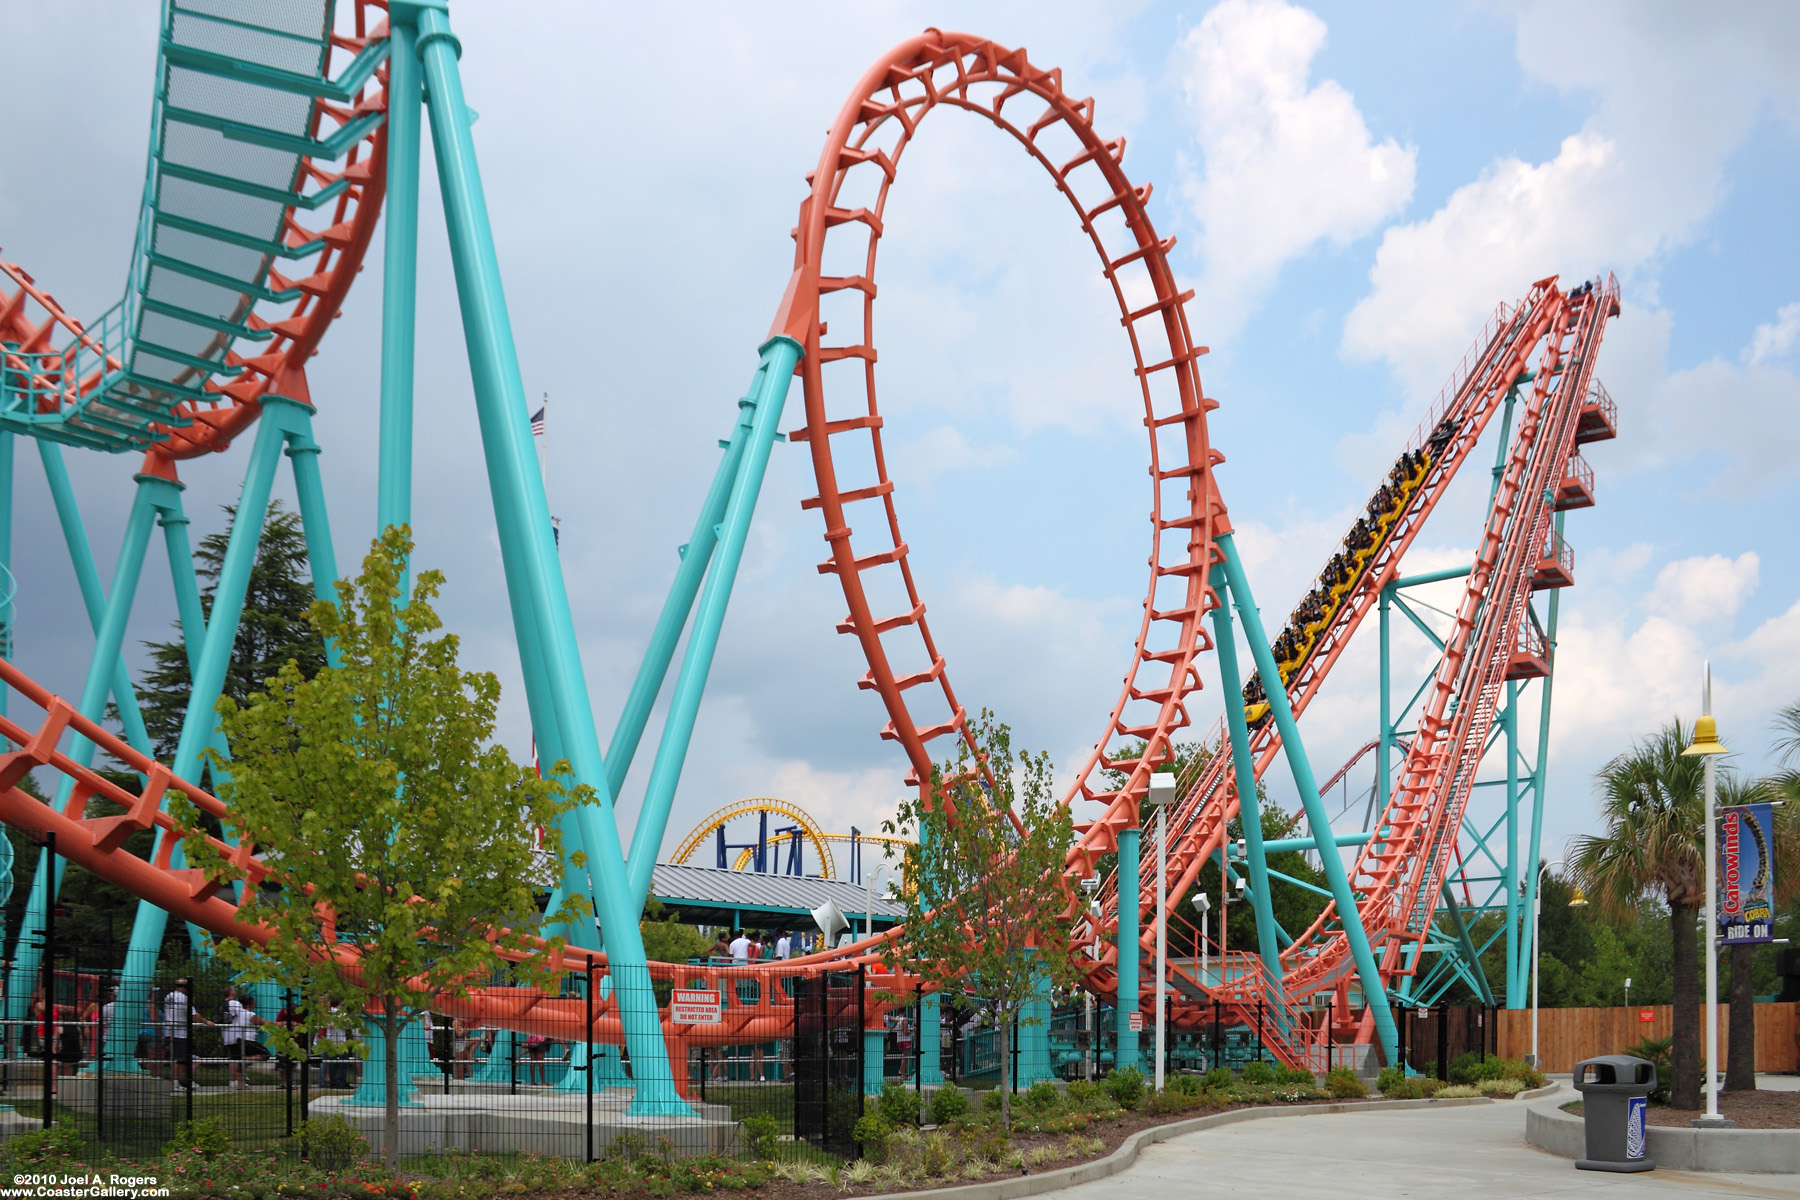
(784, 946)
(740, 948)
(239, 1030)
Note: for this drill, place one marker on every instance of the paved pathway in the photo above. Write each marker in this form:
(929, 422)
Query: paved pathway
(1477, 1152)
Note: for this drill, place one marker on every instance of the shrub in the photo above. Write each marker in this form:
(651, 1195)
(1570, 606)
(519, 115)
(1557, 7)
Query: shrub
(1126, 1087)
(57, 1146)
(1343, 1084)
(1501, 1087)
(1474, 1067)
(872, 1133)
(897, 1106)
(1187, 1085)
(1041, 1097)
(1390, 1080)
(1073, 1122)
(332, 1143)
(1259, 1073)
(205, 1137)
(1294, 1075)
(1221, 1078)
(1458, 1091)
(760, 1136)
(947, 1105)
(990, 1101)
(1081, 1092)
(1407, 1089)
(1658, 1051)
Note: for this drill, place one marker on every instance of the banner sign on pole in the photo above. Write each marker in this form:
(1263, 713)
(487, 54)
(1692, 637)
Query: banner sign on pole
(1135, 1022)
(695, 1008)
(1746, 876)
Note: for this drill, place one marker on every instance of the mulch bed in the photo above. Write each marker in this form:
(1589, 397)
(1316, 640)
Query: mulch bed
(1747, 1110)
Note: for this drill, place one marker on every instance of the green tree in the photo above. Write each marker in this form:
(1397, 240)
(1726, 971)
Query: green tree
(1653, 812)
(986, 915)
(273, 629)
(393, 825)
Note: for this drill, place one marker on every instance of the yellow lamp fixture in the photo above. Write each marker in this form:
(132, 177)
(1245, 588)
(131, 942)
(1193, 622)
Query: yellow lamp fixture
(1578, 900)
(1706, 738)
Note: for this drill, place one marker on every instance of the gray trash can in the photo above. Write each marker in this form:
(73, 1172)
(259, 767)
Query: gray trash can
(1615, 1094)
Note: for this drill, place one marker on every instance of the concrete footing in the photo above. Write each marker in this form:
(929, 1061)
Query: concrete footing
(542, 1122)
(1684, 1149)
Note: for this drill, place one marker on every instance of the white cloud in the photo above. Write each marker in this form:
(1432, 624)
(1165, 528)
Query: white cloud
(944, 448)
(1677, 89)
(1704, 588)
(1286, 166)
(1773, 338)
(1435, 281)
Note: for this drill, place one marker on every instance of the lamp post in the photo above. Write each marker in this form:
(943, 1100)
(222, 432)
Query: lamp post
(1706, 744)
(1537, 951)
(1203, 905)
(1628, 991)
(880, 872)
(1159, 796)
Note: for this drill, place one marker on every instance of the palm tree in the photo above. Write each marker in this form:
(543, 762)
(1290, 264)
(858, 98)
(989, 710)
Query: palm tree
(1654, 812)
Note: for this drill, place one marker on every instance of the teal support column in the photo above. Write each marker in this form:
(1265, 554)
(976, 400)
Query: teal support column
(1509, 866)
(415, 1058)
(399, 279)
(102, 674)
(1384, 734)
(1244, 770)
(1518, 998)
(874, 1068)
(609, 1068)
(1129, 950)
(768, 392)
(1316, 818)
(1034, 1039)
(931, 1040)
(200, 721)
(1466, 946)
(529, 552)
(695, 556)
(87, 576)
(315, 520)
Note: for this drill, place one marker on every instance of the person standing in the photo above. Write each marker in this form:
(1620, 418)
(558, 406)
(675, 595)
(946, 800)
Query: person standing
(784, 946)
(178, 1016)
(239, 1030)
(740, 949)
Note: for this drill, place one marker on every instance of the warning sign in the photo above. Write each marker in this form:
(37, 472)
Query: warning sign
(1136, 1022)
(1646, 1015)
(695, 1008)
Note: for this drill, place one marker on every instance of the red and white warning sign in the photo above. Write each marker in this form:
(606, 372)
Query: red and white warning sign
(1135, 1022)
(694, 1008)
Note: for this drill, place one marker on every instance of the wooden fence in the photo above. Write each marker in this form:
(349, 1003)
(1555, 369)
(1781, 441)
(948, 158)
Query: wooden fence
(1568, 1035)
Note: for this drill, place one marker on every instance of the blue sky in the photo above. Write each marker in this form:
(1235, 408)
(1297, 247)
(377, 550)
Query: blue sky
(1353, 187)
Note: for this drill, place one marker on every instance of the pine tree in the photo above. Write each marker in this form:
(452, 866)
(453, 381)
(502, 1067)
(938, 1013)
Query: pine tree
(272, 630)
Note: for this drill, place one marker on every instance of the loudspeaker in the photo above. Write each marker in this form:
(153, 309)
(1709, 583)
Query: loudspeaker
(830, 921)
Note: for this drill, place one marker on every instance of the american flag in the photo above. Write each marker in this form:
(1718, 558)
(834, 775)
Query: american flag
(537, 421)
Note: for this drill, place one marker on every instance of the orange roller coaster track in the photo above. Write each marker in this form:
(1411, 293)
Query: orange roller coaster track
(824, 332)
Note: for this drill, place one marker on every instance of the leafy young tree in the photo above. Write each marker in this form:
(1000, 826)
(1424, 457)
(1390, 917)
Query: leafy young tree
(273, 629)
(984, 902)
(400, 836)
(1654, 816)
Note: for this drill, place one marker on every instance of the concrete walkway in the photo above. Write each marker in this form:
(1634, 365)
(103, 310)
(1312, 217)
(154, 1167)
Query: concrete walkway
(1473, 1153)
